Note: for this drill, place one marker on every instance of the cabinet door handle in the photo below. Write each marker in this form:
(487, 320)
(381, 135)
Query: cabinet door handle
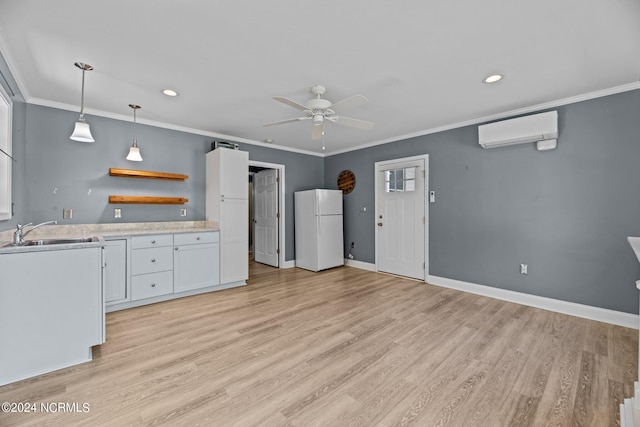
(153, 260)
(153, 242)
(153, 285)
(197, 238)
(176, 248)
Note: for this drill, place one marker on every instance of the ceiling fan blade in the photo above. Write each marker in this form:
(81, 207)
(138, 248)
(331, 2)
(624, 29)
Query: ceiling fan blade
(286, 121)
(350, 102)
(317, 131)
(291, 103)
(355, 123)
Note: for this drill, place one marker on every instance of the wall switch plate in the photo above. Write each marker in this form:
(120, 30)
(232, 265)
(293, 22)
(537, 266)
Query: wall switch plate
(432, 196)
(183, 212)
(363, 209)
(524, 268)
(117, 213)
(67, 213)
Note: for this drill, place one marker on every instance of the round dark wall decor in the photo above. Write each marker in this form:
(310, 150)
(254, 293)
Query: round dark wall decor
(346, 181)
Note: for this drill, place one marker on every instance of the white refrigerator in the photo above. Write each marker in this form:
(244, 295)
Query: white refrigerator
(318, 229)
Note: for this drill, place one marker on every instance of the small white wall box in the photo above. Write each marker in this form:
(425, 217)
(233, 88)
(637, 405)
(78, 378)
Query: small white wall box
(541, 128)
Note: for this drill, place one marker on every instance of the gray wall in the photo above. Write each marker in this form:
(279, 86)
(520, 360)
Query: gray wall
(53, 172)
(566, 213)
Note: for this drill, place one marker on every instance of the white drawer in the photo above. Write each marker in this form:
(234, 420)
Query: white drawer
(151, 260)
(196, 238)
(151, 241)
(151, 285)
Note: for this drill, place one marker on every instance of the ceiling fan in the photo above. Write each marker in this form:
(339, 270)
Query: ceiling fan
(318, 110)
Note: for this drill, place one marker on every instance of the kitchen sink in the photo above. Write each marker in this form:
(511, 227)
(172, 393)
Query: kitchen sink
(47, 242)
(43, 242)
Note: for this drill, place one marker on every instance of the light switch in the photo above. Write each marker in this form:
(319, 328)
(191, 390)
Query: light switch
(183, 212)
(117, 213)
(432, 196)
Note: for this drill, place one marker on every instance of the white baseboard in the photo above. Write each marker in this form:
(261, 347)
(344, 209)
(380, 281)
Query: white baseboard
(360, 264)
(289, 264)
(573, 309)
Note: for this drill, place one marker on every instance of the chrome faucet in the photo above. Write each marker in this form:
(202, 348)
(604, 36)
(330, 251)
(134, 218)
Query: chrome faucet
(19, 235)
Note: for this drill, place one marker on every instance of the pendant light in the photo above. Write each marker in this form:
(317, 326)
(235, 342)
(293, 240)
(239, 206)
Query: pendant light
(82, 132)
(134, 151)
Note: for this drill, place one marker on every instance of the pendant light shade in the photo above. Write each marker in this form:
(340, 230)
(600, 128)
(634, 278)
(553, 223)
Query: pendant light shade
(82, 132)
(134, 151)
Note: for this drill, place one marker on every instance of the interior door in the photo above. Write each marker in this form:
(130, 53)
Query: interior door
(266, 217)
(401, 218)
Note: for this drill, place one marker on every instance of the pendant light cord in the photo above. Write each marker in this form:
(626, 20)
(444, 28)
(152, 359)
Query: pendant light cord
(135, 140)
(82, 97)
(84, 67)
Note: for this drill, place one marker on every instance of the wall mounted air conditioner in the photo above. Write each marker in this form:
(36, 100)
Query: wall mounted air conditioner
(540, 128)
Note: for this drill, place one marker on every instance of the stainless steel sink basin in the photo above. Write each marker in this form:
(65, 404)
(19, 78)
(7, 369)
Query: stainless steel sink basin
(43, 242)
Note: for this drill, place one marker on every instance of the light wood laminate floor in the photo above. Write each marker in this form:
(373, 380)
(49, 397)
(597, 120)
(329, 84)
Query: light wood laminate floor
(343, 347)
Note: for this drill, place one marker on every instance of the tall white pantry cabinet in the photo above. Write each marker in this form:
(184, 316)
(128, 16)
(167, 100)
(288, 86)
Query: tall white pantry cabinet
(227, 203)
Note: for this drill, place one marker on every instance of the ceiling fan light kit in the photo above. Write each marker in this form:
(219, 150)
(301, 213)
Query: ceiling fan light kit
(319, 110)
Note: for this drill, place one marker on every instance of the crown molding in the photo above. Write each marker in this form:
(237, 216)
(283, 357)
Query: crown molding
(163, 125)
(546, 105)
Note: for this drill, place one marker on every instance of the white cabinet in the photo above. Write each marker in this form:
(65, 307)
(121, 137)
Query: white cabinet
(151, 266)
(164, 266)
(227, 174)
(227, 203)
(151, 285)
(196, 261)
(51, 310)
(115, 275)
(234, 243)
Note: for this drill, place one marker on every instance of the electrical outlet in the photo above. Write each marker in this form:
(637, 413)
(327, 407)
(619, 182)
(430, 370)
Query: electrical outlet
(117, 213)
(183, 212)
(524, 268)
(67, 213)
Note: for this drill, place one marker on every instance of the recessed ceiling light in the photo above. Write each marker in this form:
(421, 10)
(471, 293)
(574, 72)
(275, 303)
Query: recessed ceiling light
(493, 78)
(170, 92)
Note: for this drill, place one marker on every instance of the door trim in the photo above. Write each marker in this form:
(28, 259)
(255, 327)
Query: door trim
(376, 181)
(281, 220)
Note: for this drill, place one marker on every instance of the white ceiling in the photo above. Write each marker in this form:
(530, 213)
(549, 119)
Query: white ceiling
(420, 63)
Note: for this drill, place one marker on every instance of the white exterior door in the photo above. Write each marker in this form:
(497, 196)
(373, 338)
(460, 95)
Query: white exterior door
(266, 217)
(401, 217)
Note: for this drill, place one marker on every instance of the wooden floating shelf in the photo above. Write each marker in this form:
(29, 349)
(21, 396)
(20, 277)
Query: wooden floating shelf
(148, 200)
(130, 173)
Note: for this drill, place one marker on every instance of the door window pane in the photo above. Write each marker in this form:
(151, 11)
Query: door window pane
(400, 180)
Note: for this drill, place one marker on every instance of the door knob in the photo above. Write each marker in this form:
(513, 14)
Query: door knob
(379, 224)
